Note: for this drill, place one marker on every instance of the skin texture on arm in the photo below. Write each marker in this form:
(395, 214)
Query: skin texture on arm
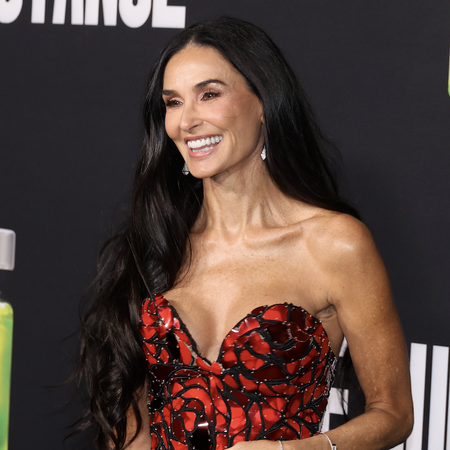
(358, 290)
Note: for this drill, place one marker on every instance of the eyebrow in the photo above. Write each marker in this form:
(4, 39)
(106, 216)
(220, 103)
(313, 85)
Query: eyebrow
(197, 86)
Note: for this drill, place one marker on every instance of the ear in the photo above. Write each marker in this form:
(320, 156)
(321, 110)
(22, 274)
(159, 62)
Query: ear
(262, 112)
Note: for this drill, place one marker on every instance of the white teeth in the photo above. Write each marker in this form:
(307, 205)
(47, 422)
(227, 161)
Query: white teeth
(203, 149)
(199, 143)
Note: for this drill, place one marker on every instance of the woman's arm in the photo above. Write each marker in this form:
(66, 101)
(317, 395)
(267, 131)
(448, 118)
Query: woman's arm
(360, 291)
(358, 287)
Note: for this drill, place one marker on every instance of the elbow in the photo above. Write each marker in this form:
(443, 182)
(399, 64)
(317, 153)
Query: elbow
(405, 424)
(408, 424)
(399, 422)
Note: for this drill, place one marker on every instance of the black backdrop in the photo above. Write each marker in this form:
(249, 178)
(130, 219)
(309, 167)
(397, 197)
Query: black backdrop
(70, 130)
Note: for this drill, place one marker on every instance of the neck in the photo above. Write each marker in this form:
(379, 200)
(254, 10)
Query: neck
(235, 202)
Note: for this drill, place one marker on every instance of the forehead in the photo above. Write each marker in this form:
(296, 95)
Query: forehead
(195, 64)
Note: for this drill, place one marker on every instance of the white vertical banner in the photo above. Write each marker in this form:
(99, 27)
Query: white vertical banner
(165, 16)
(418, 361)
(92, 12)
(77, 12)
(59, 12)
(448, 412)
(334, 406)
(438, 398)
(38, 11)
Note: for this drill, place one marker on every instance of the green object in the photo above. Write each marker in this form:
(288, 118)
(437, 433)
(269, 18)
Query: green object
(6, 327)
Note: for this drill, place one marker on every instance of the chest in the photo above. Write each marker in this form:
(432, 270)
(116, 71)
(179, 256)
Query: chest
(222, 287)
(214, 298)
(247, 274)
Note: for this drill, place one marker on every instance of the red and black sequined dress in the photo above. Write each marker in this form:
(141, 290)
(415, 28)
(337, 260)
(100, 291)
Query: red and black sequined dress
(271, 379)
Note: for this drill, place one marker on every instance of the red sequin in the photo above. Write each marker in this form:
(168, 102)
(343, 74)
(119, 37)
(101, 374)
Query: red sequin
(271, 380)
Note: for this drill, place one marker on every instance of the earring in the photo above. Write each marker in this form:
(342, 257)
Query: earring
(264, 153)
(185, 169)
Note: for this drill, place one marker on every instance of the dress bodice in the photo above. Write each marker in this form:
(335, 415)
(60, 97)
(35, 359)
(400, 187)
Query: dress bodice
(271, 379)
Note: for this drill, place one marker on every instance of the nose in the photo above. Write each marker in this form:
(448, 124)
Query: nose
(190, 117)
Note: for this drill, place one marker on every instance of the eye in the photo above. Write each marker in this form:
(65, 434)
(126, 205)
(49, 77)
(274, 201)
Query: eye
(172, 103)
(209, 95)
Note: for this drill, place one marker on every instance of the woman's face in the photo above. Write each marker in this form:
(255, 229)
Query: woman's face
(211, 115)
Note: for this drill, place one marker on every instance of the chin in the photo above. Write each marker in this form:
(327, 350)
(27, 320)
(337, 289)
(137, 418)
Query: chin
(201, 175)
(206, 173)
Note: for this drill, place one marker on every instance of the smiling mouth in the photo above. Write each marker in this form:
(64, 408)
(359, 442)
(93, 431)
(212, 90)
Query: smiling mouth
(204, 144)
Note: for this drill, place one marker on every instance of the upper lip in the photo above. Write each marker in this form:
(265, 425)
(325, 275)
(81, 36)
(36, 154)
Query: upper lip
(203, 136)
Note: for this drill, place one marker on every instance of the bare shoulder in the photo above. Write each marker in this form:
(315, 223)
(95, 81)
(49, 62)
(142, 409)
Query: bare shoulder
(346, 258)
(348, 264)
(335, 237)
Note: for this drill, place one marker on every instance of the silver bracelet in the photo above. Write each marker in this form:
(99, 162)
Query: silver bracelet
(333, 446)
(281, 445)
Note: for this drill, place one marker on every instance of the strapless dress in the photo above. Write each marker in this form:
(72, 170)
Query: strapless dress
(271, 379)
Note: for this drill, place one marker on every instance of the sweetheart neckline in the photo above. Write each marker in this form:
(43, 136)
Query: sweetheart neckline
(218, 358)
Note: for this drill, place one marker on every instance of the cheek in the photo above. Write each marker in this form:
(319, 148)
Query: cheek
(221, 111)
(239, 111)
(170, 126)
(247, 118)
(230, 106)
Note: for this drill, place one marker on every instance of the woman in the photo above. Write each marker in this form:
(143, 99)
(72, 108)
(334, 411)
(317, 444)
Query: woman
(252, 267)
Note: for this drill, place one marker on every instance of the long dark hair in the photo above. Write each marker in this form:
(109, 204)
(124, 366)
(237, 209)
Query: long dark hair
(145, 257)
